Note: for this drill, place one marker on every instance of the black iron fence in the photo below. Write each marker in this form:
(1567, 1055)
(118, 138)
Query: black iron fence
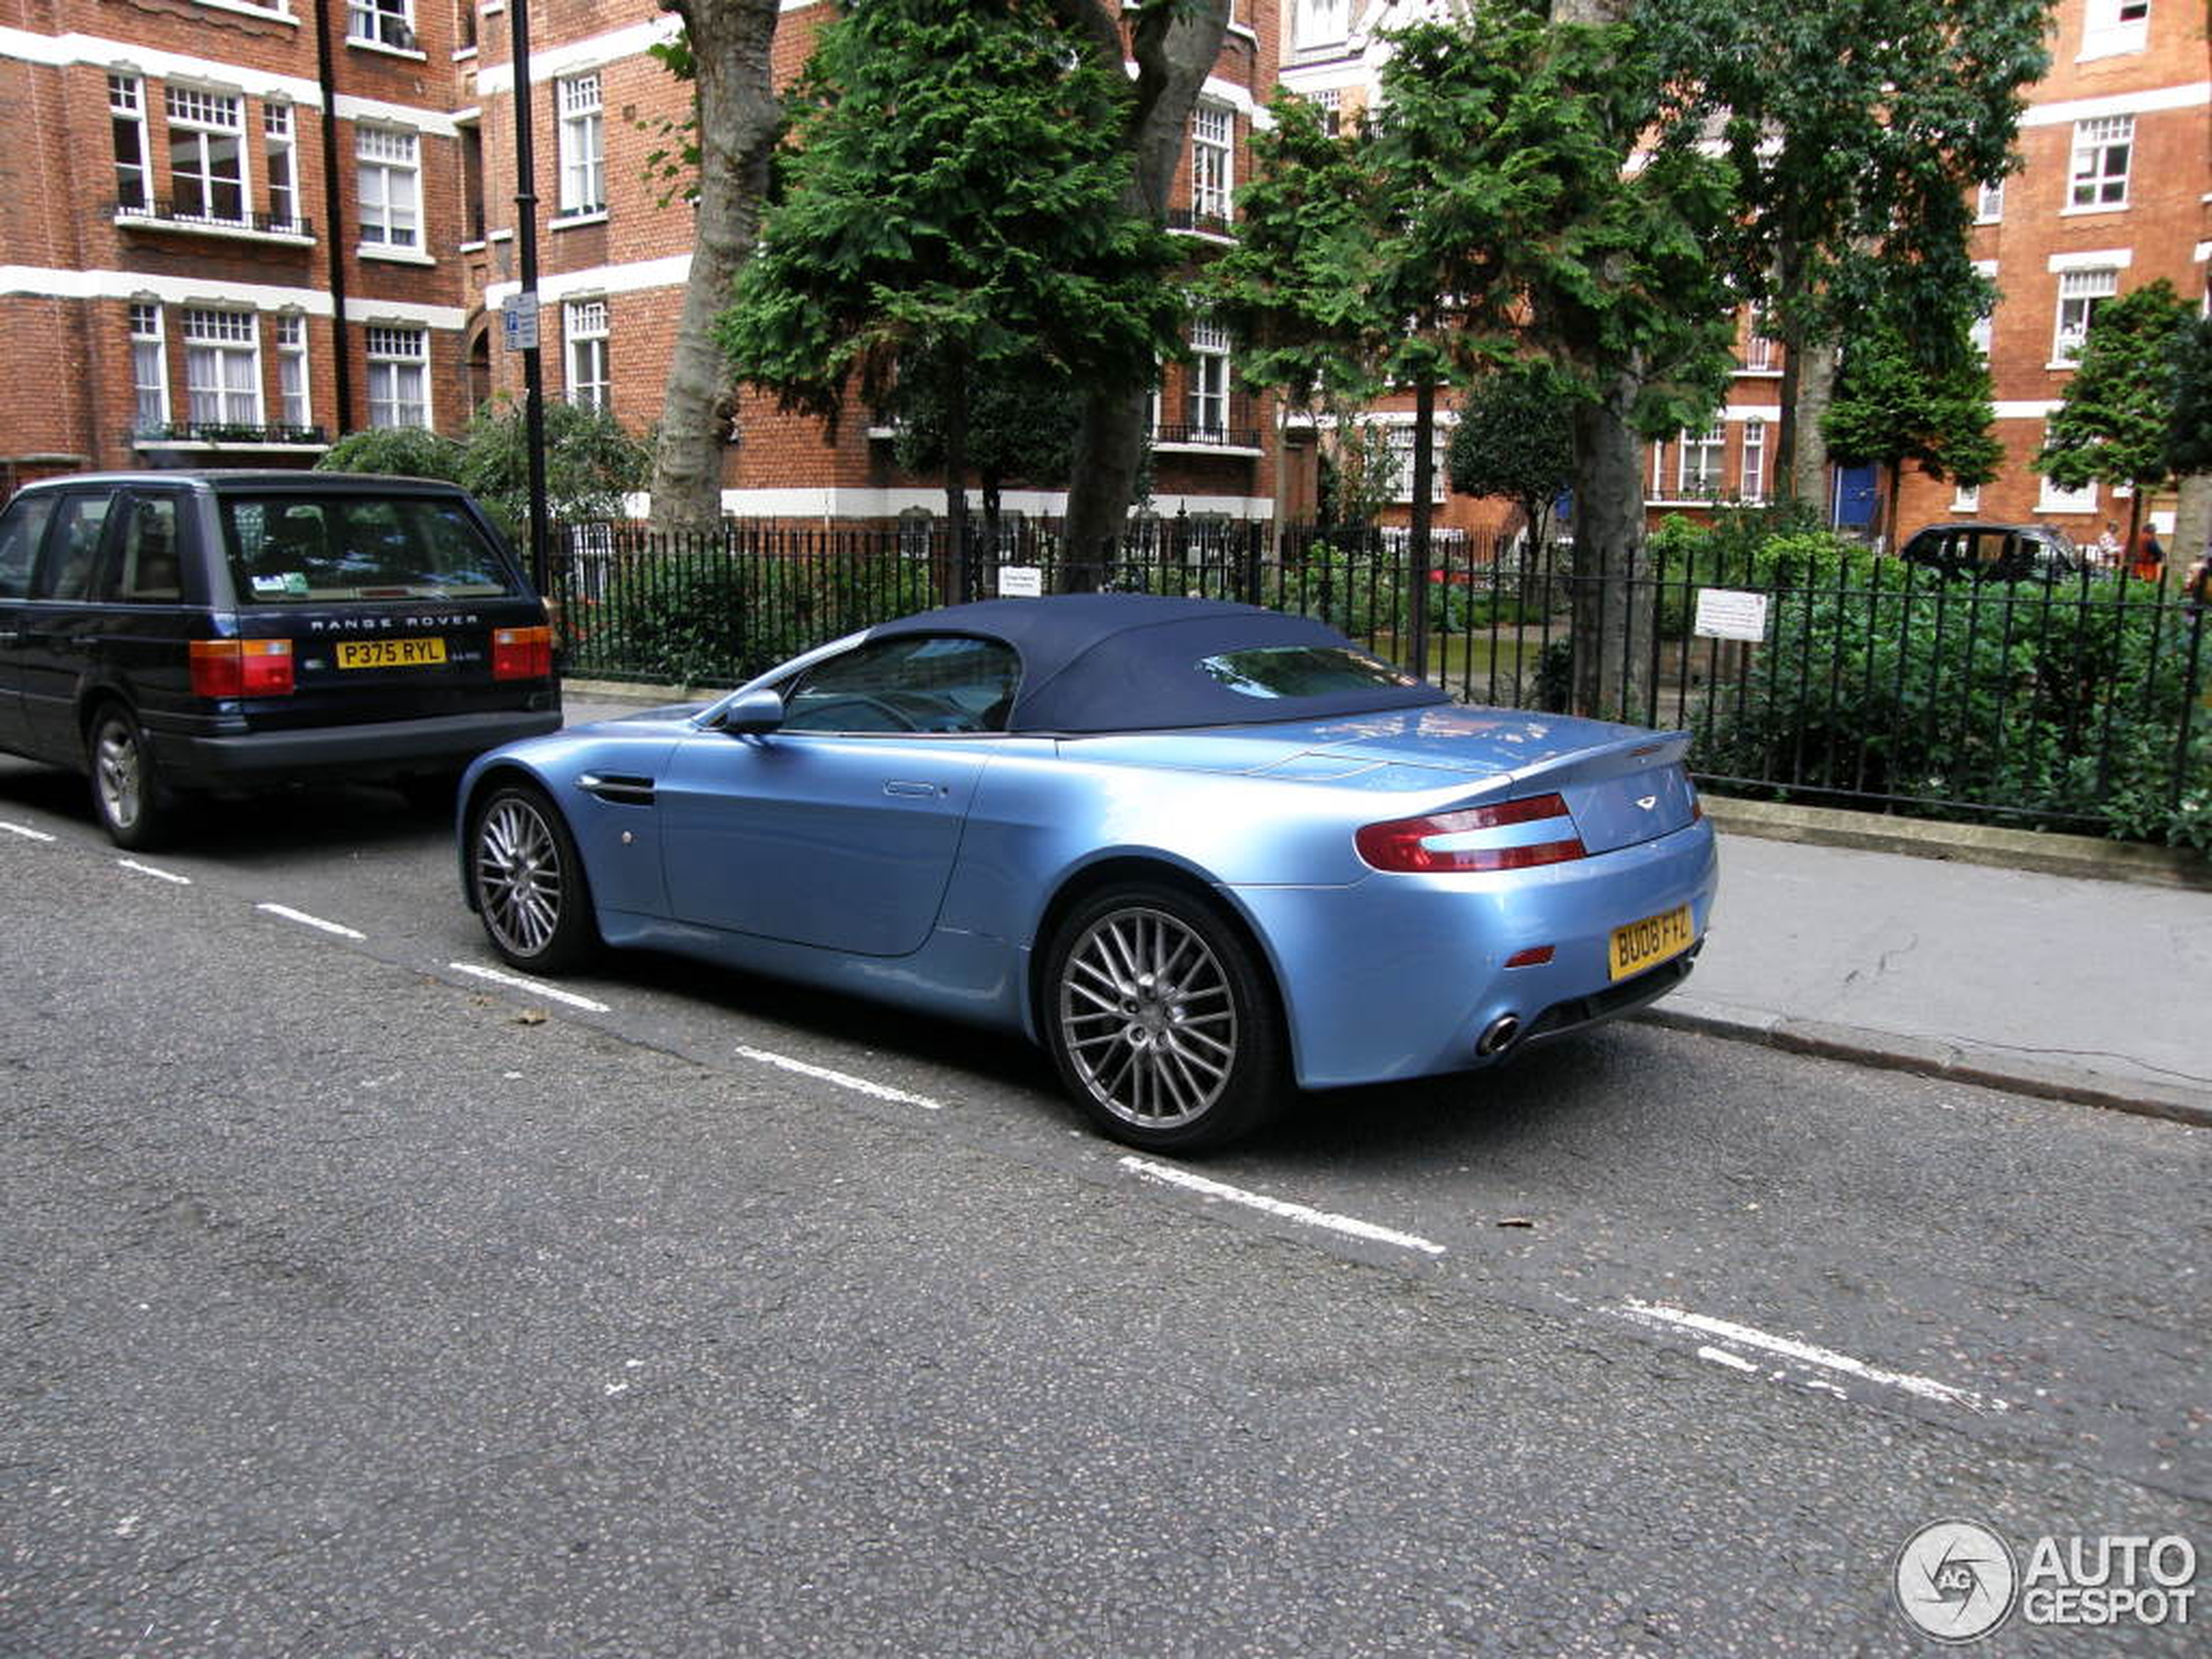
(1804, 667)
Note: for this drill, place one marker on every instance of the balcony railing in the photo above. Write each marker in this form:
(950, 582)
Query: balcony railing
(1226, 437)
(169, 213)
(226, 432)
(1189, 218)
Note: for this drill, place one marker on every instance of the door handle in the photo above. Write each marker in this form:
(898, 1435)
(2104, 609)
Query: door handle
(903, 787)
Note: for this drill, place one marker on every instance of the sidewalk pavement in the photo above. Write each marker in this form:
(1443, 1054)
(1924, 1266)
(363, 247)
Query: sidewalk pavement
(2057, 965)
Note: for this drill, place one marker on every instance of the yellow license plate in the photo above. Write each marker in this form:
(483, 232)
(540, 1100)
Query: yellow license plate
(390, 653)
(1647, 943)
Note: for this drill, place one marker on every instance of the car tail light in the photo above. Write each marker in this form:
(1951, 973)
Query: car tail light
(1403, 843)
(521, 653)
(241, 668)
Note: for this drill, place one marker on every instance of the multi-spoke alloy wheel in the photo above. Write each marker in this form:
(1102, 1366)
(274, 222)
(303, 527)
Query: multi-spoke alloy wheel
(134, 808)
(529, 884)
(1160, 1026)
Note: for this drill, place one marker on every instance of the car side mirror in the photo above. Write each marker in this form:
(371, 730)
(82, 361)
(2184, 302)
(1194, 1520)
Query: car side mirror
(755, 712)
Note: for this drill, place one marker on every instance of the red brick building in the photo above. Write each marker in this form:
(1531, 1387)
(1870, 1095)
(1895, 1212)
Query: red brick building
(231, 229)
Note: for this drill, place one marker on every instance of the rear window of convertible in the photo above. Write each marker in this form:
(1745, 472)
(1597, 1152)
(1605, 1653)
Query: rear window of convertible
(294, 550)
(1302, 670)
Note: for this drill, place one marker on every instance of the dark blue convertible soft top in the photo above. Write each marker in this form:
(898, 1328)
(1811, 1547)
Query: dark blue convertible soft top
(1132, 662)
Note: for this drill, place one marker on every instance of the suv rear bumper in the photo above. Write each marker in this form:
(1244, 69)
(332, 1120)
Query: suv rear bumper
(381, 747)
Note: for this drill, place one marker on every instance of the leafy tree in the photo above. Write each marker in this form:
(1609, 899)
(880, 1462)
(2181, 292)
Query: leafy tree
(2189, 428)
(1516, 440)
(1859, 129)
(725, 53)
(1898, 401)
(1021, 426)
(400, 452)
(2113, 424)
(591, 464)
(1174, 44)
(954, 200)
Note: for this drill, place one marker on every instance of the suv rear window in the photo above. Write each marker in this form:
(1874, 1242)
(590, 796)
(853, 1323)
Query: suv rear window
(294, 550)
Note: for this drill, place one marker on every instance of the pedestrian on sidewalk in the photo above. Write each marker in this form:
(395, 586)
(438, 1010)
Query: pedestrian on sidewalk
(2104, 553)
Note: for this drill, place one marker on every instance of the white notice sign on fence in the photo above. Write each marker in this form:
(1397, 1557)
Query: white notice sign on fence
(1729, 613)
(1021, 581)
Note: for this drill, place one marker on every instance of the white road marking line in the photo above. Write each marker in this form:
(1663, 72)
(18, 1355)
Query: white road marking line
(1723, 1356)
(28, 833)
(1350, 1226)
(306, 921)
(159, 876)
(517, 983)
(842, 1079)
(1805, 1353)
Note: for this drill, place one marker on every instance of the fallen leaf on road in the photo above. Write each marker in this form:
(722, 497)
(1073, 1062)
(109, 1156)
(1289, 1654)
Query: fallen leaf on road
(1517, 1221)
(530, 1016)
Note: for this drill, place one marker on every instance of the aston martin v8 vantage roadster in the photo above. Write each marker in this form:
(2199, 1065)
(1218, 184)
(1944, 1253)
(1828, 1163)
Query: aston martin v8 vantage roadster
(1202, 852)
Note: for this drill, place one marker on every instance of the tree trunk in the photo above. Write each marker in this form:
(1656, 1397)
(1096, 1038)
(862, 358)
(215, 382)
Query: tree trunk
(738, 119)
(1613, 620)
(1808, 399)
(1176, 47)
(955, 395)
(2192, 524)
(1418, 552)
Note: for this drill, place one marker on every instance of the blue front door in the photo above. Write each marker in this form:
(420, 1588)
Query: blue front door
(1855, 491)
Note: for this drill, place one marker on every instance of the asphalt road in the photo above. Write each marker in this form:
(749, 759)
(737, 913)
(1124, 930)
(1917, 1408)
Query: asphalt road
(356, 1304)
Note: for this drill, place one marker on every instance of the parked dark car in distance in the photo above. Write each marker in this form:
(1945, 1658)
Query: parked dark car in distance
(177, 633)
(1996, 552)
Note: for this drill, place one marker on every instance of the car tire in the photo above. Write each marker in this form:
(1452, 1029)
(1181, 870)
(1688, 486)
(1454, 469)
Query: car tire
(135, 806)
(528, 882)
(1164, 1027)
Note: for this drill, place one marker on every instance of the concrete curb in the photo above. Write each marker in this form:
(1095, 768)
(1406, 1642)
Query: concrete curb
(1930, 1057)
(2084, 856)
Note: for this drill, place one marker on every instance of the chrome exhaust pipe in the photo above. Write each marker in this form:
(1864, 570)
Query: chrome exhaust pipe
(1499, 1035)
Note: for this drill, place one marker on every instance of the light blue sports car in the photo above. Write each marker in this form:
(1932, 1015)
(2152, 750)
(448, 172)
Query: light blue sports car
(1201, 851)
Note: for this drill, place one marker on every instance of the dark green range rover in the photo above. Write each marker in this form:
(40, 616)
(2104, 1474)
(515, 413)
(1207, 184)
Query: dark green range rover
(174, 633)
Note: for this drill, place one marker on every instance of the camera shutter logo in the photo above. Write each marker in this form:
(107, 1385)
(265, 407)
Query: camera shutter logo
(1956, 1581)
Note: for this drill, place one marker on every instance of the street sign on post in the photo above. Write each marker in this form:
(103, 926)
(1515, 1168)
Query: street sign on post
(518, 322)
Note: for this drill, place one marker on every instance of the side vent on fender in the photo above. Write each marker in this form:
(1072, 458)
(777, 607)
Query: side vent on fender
(617, 789)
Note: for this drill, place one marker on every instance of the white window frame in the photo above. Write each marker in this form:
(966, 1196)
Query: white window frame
(1699, 461)
(399, 374)
(389, 23)
(1761, 351)
(207, 119)
(1967, 498)
(392, 157)
(579, 111)
(2103, 155)
(148, 365)
(1400, 436)
(2054, 500)
(584, 334)
(1315, 24)
(1330, 99)
(222, 365)
(1751, 471)
(280, 161)
(2079, 293)
(1983, 330)
(2111, 27)
(1989, 203)
(126, 106)
(1213, 161)
(295, 400)
(1207, 393)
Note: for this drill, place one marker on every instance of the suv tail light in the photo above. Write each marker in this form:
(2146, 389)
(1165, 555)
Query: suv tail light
(1403, 843)
(241, 668)
(521, 653)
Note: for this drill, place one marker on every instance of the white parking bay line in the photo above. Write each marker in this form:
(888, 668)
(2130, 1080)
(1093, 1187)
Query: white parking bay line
(1349, 1225)
(1745, 1336)
(515, 982)
(306, 921)
(159, 876)
(28, 833)
(842, 1079)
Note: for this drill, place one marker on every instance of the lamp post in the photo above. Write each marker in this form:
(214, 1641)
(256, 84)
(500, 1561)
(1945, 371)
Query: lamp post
(526, 232)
